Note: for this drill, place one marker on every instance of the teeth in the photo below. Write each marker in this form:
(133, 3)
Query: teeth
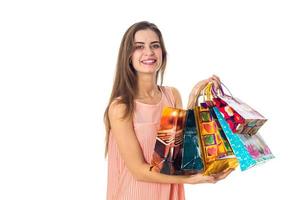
(148, 61)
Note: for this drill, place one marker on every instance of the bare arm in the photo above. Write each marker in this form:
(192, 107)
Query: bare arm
(177, 96)
(123, 132)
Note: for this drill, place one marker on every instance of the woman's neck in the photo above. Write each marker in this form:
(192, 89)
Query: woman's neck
(147, 87)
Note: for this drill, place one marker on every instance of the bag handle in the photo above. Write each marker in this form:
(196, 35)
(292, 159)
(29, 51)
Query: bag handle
(206, 93)
(209, 92)
(221, 90)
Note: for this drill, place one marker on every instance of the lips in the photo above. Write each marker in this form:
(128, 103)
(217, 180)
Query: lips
(149, 61)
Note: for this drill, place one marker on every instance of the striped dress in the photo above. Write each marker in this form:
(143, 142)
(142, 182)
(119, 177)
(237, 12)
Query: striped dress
(121, 184)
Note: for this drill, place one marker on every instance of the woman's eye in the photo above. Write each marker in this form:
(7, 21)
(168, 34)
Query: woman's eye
(156, 46)
(139, 47)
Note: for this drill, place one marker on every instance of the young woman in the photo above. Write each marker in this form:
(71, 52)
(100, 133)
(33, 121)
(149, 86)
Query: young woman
(132, 119)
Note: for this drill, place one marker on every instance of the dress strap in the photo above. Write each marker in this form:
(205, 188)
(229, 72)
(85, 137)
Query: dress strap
(168, 94)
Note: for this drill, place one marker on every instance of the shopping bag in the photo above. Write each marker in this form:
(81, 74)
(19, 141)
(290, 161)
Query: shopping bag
(217, 157)
(239, 115)
(191, 152)
(257, 147)
(167, 156)
(250, 150)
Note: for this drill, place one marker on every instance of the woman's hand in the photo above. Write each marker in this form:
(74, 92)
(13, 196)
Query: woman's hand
(200, 178)
(200, 86)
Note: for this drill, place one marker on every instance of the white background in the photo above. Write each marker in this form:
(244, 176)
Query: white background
(58, 59)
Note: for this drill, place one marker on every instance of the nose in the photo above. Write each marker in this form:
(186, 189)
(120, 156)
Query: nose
(148, 51)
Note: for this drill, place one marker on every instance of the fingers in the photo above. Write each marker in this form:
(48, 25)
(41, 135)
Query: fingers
(223, 174)
(216, 78)
(216, 81)
(199, 86)
(200, 178)
(211, 179)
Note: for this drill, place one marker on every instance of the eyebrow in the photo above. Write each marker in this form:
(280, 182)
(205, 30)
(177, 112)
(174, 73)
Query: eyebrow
(144, 42)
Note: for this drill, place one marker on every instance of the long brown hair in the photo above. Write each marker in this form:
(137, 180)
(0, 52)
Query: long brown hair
(125, 80)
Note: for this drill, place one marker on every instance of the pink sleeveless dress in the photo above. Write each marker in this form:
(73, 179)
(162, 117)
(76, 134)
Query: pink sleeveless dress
(121, 184)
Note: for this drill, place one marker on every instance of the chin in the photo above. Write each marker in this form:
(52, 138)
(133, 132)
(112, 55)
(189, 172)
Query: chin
(149, 69)
(144, 71)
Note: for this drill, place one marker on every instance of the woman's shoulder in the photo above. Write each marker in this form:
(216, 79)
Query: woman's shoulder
(117, 108)
(172, 89)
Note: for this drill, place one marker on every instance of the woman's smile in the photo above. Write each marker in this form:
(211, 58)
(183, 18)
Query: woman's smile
(148, 61)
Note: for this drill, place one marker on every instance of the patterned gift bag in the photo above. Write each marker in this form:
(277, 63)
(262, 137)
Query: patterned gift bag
(250, 150)
(191, 152)
(239, 115)
(167, 156)
(216, 152)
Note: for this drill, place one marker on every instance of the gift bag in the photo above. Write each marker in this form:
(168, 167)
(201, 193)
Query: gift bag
(191, 155)
(202, 138)
(257, 147)
(167, 154)
(216, 152)
(250, 150)
(240, 116)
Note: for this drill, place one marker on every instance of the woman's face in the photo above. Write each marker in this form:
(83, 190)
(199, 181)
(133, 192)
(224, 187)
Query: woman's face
(147, 54)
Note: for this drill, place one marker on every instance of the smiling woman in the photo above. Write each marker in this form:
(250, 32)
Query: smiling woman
(132, 119)
(147, 55)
